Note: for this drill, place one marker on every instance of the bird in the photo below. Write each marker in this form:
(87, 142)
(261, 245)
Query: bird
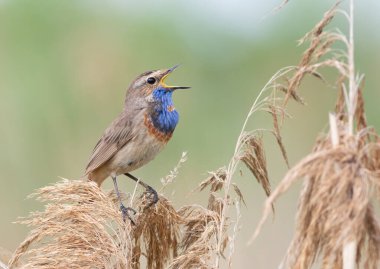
(137, 134)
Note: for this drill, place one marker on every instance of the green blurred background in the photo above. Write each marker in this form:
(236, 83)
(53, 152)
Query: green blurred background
(65, 66)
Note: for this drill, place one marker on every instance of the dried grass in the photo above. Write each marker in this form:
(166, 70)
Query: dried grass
(335, 205)
(320, 45)
(197, 248)
(336, 223)
(156, 233)
(81, 227)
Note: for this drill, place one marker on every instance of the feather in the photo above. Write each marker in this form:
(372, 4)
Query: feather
(114, 138)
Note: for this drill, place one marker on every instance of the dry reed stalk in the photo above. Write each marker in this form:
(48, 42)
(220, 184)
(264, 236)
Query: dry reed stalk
(336, 223)
(249, 150)
(197, 245)
(169, 178)
(156, 233)
(81, 227)
(254, 158)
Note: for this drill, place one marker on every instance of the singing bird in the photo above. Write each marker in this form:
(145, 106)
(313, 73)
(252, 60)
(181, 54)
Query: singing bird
(138, 134)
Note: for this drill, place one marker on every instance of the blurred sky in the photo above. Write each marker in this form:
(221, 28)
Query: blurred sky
(65, 65)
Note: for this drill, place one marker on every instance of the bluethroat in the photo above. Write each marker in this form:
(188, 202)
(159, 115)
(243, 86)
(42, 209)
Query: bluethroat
(138, 134)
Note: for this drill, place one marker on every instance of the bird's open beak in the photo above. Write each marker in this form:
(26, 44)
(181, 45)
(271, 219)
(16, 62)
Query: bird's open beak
(166, 74)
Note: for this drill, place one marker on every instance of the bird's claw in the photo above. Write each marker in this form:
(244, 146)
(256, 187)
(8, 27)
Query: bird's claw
(125, 212)
(152, 192)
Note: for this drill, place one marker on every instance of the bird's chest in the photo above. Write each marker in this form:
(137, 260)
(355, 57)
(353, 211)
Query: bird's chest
(160, 122)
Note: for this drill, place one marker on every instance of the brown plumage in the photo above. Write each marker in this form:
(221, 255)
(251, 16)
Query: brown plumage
(139, 133)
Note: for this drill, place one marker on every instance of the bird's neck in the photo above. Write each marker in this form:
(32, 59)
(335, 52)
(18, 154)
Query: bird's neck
(163, 114)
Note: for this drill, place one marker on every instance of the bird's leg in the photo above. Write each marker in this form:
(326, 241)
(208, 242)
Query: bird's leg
(148, 188)
(124, 210)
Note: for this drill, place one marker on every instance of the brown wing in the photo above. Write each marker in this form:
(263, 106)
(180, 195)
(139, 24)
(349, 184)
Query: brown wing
(113, 139)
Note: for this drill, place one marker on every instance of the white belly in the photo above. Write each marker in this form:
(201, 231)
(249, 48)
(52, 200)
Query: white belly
(135, 154)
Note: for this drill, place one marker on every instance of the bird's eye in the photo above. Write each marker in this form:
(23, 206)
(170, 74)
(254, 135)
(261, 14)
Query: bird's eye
(151, 80)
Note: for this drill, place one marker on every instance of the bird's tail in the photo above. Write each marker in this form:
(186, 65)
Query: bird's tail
(96, 177)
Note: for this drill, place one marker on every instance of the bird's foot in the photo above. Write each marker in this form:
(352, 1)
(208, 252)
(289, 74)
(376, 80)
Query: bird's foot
(125, 211)
(153, 193)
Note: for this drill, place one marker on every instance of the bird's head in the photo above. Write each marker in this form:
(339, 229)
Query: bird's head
(151, 84)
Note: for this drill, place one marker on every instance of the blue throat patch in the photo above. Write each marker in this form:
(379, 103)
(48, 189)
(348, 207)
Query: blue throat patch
(162, 118)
